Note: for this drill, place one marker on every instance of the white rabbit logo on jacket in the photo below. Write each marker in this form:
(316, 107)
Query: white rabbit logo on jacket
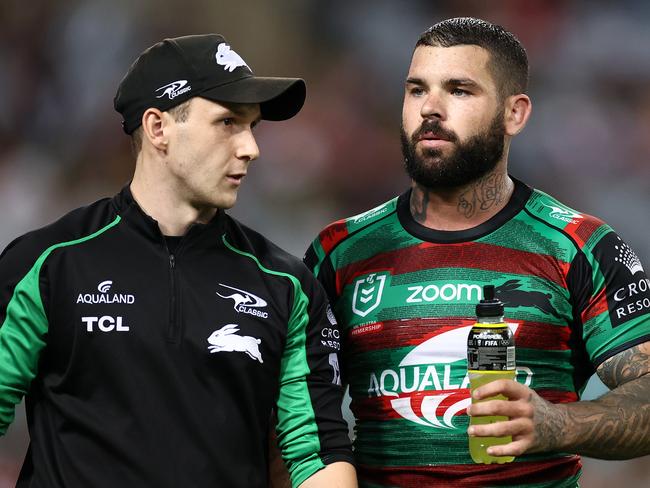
(226, 339)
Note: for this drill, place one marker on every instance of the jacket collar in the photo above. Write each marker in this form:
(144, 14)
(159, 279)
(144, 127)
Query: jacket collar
(127, 207)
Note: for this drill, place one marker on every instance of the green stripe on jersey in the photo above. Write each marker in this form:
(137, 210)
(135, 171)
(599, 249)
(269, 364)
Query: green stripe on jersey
(540, 238)
(386, 234)
(297, 429)
(371, 216)
(22, 335)
(398, 442)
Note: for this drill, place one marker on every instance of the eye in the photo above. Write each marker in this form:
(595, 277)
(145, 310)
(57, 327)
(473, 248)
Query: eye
(228, 121)
(457, 92)
(416, 91)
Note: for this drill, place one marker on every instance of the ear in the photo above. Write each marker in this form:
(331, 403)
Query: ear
(153, 128)
(517, 111)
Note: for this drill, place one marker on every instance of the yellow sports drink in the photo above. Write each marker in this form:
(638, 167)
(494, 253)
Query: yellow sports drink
(490, 356)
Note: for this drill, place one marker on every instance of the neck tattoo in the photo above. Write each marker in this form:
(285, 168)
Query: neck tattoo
(487, 193)
(419, 204)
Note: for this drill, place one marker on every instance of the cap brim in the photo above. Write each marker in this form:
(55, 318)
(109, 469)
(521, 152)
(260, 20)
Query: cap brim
(279, 98)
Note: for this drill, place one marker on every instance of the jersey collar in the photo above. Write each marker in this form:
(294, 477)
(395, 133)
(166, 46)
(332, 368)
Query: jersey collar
(516, 203)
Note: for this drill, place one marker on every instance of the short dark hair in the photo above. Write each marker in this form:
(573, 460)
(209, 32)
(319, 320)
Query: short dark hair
(508, 59)
(179, 113)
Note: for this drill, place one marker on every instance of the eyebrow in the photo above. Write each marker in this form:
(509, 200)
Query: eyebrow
(448, 82)
(415, 81)
(461, 82)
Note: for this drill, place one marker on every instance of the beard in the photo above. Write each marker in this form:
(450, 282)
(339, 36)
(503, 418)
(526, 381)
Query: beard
(470, 159)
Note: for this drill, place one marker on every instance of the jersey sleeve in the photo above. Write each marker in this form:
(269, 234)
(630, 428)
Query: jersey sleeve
(612, 296)
(311, 430)
(23, 324)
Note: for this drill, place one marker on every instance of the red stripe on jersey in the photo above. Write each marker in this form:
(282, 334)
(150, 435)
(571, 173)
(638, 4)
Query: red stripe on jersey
(596, 306)
(472, 475)
(582, 229)
(380, 408)
(556, 396)
(391, 334)
(332, 235)
(400, 333)
(539, 335)
(472, 255)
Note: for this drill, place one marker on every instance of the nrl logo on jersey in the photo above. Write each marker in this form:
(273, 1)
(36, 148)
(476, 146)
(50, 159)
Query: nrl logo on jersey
(431, 385)
(367, 293)
(562, 213)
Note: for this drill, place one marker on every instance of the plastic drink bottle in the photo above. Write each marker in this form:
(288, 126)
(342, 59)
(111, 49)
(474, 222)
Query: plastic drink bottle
(490, 356)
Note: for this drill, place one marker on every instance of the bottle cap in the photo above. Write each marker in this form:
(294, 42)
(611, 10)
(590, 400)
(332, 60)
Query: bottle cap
(489, 306)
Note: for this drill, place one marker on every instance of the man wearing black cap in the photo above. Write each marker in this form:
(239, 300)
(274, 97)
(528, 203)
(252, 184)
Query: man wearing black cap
(151, 333)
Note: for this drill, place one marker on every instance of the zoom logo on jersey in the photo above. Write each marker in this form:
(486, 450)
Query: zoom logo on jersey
(173, 89)
(246, 302)
(431, 385)
(447, 293)
(105, 297)
(627, 287)
(367, 293)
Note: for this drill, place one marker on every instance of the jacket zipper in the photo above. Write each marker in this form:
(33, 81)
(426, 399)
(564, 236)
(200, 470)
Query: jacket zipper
(173, 328)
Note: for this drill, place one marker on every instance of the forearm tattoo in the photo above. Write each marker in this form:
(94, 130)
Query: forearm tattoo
(616, 425)
(625, 366)
(488, 192)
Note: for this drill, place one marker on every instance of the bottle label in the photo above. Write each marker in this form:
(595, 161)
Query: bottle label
(491, 349)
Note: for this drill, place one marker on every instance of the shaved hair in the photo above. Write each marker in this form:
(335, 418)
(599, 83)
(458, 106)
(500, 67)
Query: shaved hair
(508, 60)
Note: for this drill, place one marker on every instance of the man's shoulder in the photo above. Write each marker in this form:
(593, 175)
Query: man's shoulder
(344, 229)
(248, 242)
(582, 229)
(74, 226)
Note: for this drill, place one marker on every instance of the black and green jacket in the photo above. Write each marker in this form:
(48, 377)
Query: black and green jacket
(144, 367)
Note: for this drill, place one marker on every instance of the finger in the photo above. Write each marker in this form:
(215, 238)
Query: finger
(516, 427)
(515, 448)
(505, 408)
(508, 388)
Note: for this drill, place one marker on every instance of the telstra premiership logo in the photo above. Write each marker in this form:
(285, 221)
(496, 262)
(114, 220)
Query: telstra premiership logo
(367, 293)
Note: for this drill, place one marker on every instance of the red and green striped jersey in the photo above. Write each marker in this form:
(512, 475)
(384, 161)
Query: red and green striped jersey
(575, 294)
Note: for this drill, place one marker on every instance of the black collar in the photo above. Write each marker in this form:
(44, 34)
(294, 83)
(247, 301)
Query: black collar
(129, 210)
(516, 203)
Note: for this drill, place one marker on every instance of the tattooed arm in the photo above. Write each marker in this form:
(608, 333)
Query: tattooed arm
(615, 426)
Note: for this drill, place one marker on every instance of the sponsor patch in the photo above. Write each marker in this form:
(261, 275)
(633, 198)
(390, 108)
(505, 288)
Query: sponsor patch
(627, 286)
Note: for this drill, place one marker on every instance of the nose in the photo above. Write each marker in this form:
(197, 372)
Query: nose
(247, 148)
(433, 107)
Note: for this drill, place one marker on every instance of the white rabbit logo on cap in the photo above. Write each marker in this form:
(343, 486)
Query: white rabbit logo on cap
(226, 340)
(228, 58)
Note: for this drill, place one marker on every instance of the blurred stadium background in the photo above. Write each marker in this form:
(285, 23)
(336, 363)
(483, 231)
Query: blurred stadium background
(588, 142)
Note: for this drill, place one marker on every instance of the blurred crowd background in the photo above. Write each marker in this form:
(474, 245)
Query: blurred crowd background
(588, 142)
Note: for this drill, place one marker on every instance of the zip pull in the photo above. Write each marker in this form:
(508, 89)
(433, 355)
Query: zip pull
(172, 261)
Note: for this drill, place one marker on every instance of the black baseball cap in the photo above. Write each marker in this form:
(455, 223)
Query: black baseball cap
(175, 70)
